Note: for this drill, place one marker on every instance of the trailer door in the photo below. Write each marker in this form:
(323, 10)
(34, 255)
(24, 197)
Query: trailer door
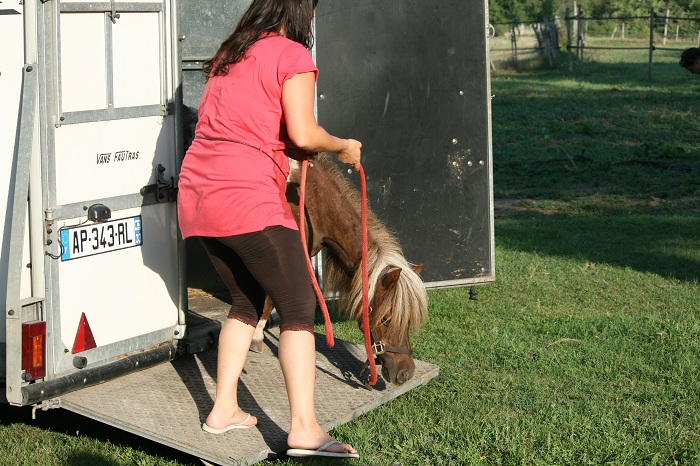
(410, 79)
(109, 161)
(111, 185)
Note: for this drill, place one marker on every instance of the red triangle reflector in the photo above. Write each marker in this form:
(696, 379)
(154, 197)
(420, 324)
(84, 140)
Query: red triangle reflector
(83, 339)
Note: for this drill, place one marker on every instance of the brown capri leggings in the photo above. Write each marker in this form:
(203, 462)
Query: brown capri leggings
(265, 262)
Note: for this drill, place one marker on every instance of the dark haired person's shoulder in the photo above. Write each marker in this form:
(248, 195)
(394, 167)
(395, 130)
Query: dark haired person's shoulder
(278, 41)
(289, 46)
(281, 49)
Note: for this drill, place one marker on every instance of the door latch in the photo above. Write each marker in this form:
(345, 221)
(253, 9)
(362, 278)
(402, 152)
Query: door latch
(164, 190)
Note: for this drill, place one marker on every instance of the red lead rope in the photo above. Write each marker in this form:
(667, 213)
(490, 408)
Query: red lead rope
(365, 290)
(302, 232)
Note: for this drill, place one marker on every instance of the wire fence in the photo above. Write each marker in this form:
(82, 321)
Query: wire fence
(648, 34)
(658, 29)
(517, 41)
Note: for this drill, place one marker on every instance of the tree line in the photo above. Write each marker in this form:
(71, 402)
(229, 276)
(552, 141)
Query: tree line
(519, 11)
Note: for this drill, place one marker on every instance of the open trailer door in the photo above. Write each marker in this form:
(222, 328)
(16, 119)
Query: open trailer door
(98, 156)
(410, 79)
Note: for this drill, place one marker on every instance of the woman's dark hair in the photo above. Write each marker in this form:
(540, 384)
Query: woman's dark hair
(262, 17)
(689, 56)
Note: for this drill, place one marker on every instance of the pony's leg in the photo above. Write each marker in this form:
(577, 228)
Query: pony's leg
(256, 345)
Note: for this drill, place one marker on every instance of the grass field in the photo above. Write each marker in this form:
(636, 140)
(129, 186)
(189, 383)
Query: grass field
(586, 349)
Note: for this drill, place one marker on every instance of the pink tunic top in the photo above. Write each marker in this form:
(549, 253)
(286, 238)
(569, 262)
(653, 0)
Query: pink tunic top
(228, 188)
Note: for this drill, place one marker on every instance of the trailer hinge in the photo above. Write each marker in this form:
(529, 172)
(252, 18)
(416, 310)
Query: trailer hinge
(45, 405)
(113, 14)
(164, 190)
(179, 332)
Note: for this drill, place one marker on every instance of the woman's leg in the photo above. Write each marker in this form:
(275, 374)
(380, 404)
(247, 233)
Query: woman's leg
(235, 336)
(297, 355)
(234, 342)
(279, 265)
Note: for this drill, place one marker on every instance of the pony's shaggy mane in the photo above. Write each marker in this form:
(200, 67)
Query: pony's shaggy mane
(408, 299)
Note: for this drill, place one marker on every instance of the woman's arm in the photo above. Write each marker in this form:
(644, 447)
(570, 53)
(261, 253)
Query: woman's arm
(302, 128)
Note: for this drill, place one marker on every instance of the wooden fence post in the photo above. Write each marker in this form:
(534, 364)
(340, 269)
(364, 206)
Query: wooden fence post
(568, 40)
(579, 35)
(514, 45)
(651, 41)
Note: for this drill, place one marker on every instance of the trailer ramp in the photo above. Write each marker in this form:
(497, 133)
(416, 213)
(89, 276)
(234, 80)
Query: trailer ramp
(169, 402)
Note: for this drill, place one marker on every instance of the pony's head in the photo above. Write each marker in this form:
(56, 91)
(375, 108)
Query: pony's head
(398, 308)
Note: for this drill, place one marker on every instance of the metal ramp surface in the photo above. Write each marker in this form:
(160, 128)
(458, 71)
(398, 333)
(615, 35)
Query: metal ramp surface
(168, 403)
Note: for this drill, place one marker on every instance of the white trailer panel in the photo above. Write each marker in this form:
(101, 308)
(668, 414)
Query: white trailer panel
(138, 59)
(103, 159)
(122, 292)
(83, 62)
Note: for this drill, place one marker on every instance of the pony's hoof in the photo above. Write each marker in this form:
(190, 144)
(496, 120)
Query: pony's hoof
(256, 346)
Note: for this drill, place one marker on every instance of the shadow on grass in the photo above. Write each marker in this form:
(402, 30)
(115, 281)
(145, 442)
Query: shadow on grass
(64, 422)
(663, 243)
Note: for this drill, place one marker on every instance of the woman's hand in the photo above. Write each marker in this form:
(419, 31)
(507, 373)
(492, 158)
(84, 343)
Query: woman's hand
(351, 154)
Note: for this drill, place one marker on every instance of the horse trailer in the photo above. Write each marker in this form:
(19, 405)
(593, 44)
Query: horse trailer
(98, 104)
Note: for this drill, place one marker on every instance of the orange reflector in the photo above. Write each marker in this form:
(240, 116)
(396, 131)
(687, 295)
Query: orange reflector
(34, 349)
(83, 339)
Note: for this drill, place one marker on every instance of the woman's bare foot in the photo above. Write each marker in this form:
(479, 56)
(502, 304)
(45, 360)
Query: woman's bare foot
(316, 438)
(239, 418)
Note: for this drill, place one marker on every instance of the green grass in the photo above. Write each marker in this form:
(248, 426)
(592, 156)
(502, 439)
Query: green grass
(603, 128)
(62, 438)
(586, 349)
(563, 360)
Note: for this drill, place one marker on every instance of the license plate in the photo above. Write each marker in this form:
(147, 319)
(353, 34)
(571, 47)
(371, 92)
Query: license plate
(98, 238)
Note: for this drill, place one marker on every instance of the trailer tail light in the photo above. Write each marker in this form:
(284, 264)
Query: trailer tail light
(34, 349)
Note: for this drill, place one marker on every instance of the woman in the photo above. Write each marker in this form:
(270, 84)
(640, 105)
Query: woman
(256, 110)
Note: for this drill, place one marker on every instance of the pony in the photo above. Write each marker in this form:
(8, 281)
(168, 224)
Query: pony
(398, 301)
